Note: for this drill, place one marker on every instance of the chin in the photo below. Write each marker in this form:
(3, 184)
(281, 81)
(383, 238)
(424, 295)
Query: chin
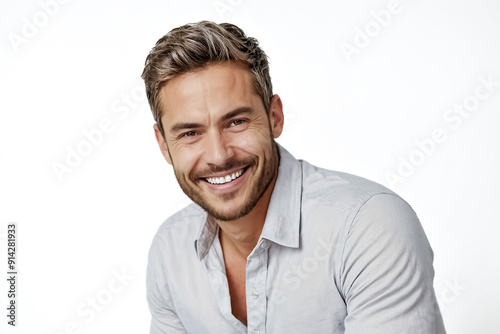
(229, 213)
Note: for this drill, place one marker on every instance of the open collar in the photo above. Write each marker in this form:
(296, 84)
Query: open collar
(282, 225)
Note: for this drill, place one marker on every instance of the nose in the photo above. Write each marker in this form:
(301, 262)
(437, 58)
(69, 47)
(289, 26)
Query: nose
(217, 148)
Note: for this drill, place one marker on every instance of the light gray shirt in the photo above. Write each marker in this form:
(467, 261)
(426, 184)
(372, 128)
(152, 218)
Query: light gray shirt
(337, 254)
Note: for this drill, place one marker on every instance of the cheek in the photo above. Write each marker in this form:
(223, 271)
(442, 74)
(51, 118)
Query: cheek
(251, 144)
(184, 160)
(254, 139)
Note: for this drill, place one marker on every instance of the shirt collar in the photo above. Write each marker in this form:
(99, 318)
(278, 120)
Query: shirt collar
(282, 225)
(206, 236)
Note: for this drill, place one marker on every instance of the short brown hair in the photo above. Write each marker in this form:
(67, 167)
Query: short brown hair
(196, 45)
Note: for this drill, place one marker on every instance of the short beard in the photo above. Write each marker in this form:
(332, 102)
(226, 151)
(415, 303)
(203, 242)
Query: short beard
(269, 172)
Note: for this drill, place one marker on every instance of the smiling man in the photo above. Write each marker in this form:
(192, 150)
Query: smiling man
(271, 244)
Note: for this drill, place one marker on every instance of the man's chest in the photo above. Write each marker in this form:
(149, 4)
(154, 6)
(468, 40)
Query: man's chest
(279, 289)
(236, 278)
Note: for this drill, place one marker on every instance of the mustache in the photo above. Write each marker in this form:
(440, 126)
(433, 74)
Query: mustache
(229, 165)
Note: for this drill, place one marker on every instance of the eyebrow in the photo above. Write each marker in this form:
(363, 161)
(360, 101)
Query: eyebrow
(182, 126)
(236, 112)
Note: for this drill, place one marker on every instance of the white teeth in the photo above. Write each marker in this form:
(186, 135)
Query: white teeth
(225, 179)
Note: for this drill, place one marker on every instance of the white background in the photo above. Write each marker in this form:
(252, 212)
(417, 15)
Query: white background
(69, 67)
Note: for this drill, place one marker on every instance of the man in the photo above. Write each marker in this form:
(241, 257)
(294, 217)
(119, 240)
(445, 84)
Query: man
(272, 244)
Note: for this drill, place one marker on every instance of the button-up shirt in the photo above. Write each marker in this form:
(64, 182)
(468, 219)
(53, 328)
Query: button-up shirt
(337, 254)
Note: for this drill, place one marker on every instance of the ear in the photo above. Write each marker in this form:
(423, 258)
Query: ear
(162, 144)
(276, 117)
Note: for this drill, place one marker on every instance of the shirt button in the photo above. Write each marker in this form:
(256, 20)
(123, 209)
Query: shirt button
(263, 244)
(255, 295)
(255, 332)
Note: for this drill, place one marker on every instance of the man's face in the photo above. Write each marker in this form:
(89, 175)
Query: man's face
(220, 139)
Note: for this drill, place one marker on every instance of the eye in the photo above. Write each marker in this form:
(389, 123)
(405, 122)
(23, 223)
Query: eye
(237, 122)
(188, 134)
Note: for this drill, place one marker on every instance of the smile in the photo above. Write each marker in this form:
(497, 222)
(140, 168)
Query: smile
(225, 179)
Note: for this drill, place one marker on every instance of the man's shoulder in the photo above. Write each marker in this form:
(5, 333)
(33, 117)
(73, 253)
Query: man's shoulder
(186, 220)
(338, 188)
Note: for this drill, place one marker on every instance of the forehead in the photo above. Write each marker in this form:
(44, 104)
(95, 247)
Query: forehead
(213, 90)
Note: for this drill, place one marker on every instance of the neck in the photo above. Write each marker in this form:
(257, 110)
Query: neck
(240, 236)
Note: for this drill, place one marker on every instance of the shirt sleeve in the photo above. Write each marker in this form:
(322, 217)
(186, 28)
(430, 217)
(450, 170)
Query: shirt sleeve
(387, 273)
(163, 316)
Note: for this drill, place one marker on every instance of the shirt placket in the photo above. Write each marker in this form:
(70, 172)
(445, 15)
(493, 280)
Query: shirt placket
(256, 276)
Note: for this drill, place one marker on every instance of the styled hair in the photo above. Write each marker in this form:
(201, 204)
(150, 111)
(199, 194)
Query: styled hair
(194, 46)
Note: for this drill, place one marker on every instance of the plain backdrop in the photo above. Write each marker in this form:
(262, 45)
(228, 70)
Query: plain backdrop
(403, 93)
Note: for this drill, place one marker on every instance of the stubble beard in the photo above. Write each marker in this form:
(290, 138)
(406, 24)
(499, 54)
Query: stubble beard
(258, 187)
